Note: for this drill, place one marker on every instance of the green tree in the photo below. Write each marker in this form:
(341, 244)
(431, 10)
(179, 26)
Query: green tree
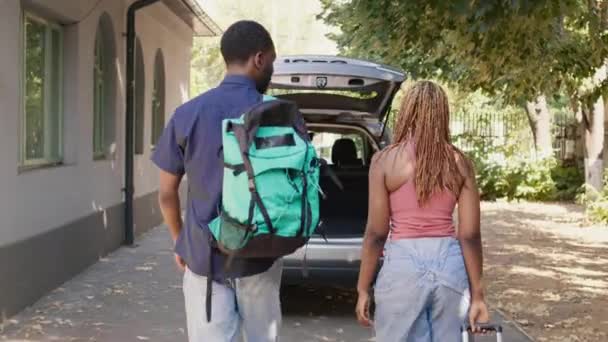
(520, 50)
(292, 24)
(207, 65)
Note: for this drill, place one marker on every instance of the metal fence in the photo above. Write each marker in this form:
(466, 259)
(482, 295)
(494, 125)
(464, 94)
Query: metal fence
(492, 131)
(565, 131)
(489, 130)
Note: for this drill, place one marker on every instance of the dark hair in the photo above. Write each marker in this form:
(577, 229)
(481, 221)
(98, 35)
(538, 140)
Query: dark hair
(244, 39)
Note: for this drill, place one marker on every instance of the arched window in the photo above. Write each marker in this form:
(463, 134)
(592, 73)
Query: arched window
(140, 91)
(158, 97)
(104, 90)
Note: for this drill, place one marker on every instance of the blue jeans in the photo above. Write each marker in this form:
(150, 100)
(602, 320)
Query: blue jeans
(422, 291)
(249, 307)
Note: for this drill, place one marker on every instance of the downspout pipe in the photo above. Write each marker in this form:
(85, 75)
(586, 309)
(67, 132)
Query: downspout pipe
(129, 118)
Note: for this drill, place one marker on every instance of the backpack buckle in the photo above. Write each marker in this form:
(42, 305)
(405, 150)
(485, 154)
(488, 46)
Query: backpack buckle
(251, 185)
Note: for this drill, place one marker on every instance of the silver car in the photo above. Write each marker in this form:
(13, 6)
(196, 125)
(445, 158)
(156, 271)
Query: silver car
(345, 103)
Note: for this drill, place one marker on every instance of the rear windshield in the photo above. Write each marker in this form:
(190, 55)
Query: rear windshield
(368, 99)
(335, 145)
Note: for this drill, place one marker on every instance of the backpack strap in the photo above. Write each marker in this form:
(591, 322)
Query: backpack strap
(241, 135)
(209, 292)
(304, 200)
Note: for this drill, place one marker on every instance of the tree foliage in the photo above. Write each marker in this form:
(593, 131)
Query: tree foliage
(517, 48)
(292, 24)
(207, 65)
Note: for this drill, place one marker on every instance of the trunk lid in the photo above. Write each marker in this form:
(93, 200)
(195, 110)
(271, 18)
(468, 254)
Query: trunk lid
(336, 86)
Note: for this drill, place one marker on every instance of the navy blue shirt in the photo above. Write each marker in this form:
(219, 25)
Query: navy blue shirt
(190, 145)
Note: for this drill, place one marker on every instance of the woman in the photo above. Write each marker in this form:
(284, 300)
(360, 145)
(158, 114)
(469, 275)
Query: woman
(431, 275)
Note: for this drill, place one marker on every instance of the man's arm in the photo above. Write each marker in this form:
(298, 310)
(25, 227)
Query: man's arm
(168, 199)
(169, 157)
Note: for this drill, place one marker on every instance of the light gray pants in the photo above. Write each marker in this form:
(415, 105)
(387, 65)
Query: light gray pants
(249, 307)
(422, 291)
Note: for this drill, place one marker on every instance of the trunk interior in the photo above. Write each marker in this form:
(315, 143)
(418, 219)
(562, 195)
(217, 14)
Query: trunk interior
(347, 150)
(344, 211)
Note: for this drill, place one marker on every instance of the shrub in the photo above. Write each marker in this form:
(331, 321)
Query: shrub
(569, 182)
(489, 173)
(596, 202)
(531, 180)
(502, 173)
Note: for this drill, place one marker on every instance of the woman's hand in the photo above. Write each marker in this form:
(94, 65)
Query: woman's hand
(363, 303)
(478, 313)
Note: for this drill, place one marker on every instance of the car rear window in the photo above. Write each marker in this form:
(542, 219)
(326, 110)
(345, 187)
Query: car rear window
(325, 143)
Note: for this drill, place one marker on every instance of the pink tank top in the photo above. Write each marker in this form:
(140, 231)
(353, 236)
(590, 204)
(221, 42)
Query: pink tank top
(409, 220)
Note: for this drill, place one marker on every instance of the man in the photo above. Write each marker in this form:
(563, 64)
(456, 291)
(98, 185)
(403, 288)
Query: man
(246, 296)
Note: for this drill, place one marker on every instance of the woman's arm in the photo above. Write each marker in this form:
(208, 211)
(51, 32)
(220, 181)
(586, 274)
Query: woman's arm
(376, 234)
(469, 235)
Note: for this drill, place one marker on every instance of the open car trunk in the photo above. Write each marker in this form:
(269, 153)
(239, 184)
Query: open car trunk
(346, 150)
(355, 95)
(344, 211)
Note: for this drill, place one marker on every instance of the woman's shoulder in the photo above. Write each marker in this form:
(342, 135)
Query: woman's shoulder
(378, 160)
(464, 163)
(392, 158)
(390, 153)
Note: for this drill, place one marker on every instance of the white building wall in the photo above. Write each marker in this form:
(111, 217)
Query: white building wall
(9, 109)
(177, 76)
(36, 201)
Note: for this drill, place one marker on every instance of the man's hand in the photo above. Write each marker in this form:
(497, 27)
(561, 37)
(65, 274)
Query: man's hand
(181, 264)
(362, 310)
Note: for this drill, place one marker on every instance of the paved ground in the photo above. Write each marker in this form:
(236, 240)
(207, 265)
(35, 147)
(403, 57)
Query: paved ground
(547, 270)
(135, 295)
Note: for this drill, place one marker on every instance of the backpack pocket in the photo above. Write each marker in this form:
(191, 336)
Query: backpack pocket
(230, 234)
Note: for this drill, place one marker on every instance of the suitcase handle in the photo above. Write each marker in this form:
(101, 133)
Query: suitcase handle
(466, 329)
(483, 326)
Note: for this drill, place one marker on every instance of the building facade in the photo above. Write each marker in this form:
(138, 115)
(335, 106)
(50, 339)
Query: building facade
(63, 86)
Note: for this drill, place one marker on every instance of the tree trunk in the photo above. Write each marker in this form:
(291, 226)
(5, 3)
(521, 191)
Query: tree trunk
(605, 138)
(593, 119)
(539, 117)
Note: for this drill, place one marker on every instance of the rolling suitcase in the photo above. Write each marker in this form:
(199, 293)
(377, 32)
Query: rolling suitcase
(492, 328)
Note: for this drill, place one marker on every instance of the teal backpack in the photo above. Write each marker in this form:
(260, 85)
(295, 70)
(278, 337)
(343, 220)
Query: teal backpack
(270, 196)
